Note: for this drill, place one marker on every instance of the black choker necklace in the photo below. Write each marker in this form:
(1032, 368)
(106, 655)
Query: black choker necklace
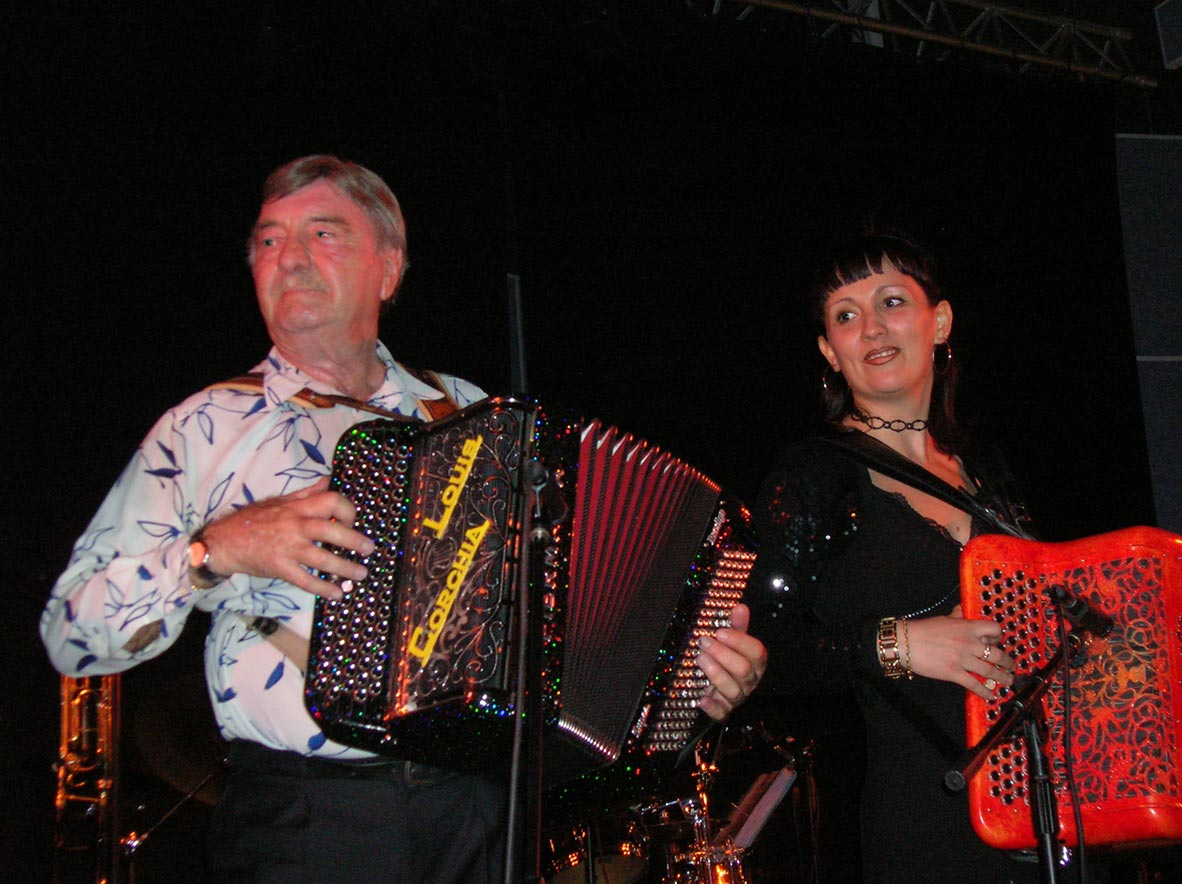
(897, 425)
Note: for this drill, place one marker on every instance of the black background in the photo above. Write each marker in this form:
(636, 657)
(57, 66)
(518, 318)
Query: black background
(658, 180)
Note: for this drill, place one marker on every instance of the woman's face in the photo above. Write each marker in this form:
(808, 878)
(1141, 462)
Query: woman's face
(879, 333)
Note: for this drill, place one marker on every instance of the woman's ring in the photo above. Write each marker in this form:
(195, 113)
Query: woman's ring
(985, 654)
(991, 684)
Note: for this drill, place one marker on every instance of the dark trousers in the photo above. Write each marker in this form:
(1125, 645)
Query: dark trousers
(286, 819)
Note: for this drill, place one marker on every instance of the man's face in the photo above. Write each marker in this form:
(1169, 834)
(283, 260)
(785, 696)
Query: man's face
(319, 272)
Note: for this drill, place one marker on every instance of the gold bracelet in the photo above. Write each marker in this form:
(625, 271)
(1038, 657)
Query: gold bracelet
(888, 647)
(907, 652)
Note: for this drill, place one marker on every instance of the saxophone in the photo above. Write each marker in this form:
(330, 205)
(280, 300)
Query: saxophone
(86, 839)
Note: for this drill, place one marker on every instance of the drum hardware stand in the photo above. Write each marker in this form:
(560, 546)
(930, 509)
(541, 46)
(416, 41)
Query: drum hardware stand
(1023, 712)
(716, 861)
(133, 841)
(764, 796)
(523, 841)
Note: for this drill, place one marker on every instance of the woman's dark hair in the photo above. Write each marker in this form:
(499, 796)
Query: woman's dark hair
(855, 259)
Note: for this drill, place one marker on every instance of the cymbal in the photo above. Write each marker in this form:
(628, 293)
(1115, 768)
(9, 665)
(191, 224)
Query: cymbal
(176, 736)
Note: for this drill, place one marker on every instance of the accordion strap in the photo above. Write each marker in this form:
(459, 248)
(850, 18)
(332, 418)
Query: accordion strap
(434, 409)
(880, 457)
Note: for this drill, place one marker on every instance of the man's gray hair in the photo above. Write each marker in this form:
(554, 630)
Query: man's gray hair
(361, 185)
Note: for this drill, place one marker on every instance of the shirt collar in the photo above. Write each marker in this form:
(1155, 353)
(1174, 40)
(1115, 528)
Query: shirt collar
(399, 390)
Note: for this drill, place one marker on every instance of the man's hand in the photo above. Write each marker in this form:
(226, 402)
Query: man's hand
(285, 536)
(734, 662)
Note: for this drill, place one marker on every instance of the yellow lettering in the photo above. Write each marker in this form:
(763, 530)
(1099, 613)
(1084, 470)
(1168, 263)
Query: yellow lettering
(445, 601)
(475, 536)
(456, 480)
(422, 652)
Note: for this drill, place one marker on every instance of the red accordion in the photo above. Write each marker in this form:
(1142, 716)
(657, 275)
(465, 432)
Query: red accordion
(1125, 694)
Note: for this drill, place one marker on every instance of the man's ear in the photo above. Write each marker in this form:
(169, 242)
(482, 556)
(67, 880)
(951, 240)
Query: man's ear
(394, 261)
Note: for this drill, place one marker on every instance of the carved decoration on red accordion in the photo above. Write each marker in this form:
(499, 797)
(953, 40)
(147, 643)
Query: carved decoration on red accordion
(1125, 697)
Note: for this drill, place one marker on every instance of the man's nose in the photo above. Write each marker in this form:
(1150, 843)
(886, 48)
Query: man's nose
(294, 253)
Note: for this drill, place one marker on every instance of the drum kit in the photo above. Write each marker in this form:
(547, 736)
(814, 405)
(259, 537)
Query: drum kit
(703, 833)
(697, 826)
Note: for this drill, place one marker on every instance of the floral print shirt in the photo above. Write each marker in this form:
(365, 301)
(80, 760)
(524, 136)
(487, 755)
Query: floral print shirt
(128, 575)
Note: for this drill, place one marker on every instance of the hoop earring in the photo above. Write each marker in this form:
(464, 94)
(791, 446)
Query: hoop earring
(825, 376)
(940, 366)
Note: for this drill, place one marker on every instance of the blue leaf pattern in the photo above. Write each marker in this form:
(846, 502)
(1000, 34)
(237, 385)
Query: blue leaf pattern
(160, 529)
(273, 678)
(306, 476)
(90, 539)
(282, 430)
(217, 496)
(274, 599)
(313, 452)
(205, 422)
(167, 452)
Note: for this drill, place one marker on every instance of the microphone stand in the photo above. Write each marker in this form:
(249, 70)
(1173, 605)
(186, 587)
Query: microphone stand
(1022, 711)
(523, 838)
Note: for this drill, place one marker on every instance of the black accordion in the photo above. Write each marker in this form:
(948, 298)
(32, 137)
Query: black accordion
(419, 660)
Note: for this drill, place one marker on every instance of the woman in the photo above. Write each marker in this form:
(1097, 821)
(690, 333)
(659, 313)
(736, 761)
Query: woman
(857, 581)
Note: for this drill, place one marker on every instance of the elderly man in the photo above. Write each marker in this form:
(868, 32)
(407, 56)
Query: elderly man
(225, 507)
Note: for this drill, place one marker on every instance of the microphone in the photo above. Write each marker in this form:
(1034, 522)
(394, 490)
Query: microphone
(1080, 614)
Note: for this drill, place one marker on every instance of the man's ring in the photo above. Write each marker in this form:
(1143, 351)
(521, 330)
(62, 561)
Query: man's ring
(985, 653)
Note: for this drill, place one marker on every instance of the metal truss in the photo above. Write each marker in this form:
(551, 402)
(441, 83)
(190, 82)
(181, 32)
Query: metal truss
(1019, 40)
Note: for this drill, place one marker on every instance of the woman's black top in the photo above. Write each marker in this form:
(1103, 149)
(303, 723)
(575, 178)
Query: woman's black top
(836, 554)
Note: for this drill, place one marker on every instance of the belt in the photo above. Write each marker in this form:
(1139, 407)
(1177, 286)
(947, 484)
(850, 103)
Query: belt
(254, 756)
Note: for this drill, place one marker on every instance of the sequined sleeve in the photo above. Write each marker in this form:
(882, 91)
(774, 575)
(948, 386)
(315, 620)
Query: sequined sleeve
(806, 515)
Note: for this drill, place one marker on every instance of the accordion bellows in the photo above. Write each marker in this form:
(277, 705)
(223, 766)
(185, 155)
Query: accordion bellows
(1125, 698)
(420, 660)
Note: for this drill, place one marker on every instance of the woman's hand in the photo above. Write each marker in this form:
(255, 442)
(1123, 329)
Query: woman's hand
(734, 662)
(954, 649)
